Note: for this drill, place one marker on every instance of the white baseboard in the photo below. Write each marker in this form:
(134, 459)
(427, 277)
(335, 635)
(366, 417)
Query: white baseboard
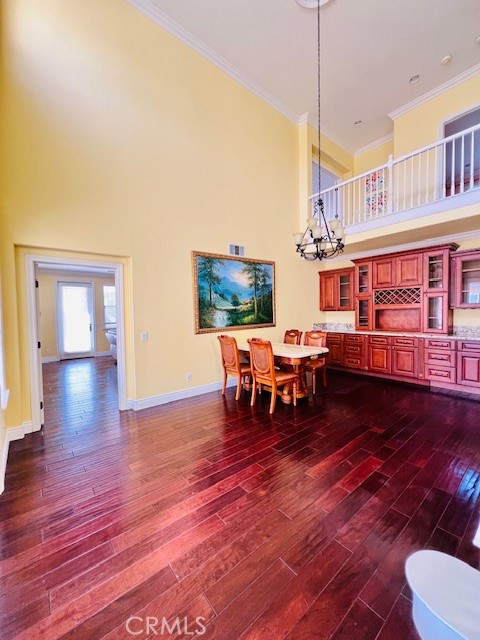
(46, 359)
(101, 354)
(7, 436)
(154, 401)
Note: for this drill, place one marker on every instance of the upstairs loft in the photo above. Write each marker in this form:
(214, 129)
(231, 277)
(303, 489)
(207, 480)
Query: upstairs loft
(434, 190)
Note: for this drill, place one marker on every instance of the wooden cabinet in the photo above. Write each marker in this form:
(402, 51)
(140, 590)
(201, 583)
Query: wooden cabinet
(405, 357)
(405, 291)
(335, 346)
(437, 315)
(354, 352)
(468, 363)
(384, 273)
(466, 279)
(379, 354)
(363, 296)
(336, 290)
(403, 270)
(440, 360)
(408, 269)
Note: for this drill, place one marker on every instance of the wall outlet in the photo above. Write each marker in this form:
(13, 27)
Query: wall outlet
(188, 377)
(143, 336)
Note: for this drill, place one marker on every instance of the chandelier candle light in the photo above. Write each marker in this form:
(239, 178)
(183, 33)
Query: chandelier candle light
(321, 239)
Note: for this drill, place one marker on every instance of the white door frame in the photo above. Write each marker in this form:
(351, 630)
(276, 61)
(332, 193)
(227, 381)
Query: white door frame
(36, 383)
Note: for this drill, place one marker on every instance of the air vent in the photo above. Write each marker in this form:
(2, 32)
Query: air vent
(236, 250)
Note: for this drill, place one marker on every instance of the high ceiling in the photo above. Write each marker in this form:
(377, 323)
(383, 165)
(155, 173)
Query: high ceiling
(369, 50)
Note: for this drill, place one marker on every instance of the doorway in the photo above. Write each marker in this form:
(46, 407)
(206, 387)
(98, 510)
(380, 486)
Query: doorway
(72, 348)
(75, 320)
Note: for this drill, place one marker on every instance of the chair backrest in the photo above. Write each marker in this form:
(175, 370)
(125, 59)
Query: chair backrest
(230, 356)
(315, 339)
(292, 336)
(261, 358)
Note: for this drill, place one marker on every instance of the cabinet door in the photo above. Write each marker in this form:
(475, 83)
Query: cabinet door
(363, 313)
(467, 280)
(408, 270)
(437, 315)
(384, 273)
(363, 278)
(345, 291)
(468, 368)
(405, 361)
(435, 270)
(335, 354)
(328, 291)
(379, 358)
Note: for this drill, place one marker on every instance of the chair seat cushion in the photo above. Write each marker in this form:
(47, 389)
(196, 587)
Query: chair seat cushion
(285, 376)
(245, 369)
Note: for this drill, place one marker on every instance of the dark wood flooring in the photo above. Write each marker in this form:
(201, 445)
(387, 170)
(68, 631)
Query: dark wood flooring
(295, 525)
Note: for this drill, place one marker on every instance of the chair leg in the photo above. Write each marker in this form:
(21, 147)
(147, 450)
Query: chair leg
(224, 382)
(239, 388)
(314, 381)
(324, 376)
(254, 392)
(294, 394)
(273, 399)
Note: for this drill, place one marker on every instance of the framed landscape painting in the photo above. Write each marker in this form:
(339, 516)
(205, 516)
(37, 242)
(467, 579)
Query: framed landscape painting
(232, 293)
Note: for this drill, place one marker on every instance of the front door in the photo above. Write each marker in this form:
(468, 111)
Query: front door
(75, 320)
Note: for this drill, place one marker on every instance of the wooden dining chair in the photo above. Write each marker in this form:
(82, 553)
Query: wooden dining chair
(316, 363)
(232, 365)
(264, 372)
(292, 336)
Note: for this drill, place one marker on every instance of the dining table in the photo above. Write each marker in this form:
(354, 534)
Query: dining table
(294, 355)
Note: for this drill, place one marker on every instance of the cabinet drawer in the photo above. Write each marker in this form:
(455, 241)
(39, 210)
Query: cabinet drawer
(405, 342)
(355, 362)
(443, 358)
(353, 349)
(469, 345)
(354, 338)
(432, 343)
(434, 372)
(334, 337)
(379, 340)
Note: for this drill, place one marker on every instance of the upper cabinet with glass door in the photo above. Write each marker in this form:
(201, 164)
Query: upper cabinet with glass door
(336, 290)
(466, 265)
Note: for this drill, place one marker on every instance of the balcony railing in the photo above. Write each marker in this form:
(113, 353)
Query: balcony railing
(436, 172)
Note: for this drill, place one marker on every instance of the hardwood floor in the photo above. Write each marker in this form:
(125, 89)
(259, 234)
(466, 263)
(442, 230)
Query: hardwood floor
(206, 512)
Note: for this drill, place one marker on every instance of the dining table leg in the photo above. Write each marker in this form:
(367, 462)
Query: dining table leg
(302, 389)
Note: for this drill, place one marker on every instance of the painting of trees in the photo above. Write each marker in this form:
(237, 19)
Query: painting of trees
(232, 292)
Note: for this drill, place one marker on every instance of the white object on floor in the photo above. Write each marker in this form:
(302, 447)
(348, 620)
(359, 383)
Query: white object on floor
(446, 596)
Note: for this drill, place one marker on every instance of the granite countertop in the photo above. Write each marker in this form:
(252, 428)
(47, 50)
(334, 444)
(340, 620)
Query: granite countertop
(468, 333)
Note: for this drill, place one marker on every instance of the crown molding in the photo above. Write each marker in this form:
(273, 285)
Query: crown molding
(150, 10)
(465, 75)
(308, 118)
(374, 144)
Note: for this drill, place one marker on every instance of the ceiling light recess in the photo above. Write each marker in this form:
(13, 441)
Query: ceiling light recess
(414, 79)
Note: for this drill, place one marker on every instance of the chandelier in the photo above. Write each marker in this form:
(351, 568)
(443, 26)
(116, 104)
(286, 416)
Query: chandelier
(321, 239)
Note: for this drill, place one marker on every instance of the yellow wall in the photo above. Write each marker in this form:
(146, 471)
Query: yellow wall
(373, 158)
(423, 125)
(48, 310)
(121, 141)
